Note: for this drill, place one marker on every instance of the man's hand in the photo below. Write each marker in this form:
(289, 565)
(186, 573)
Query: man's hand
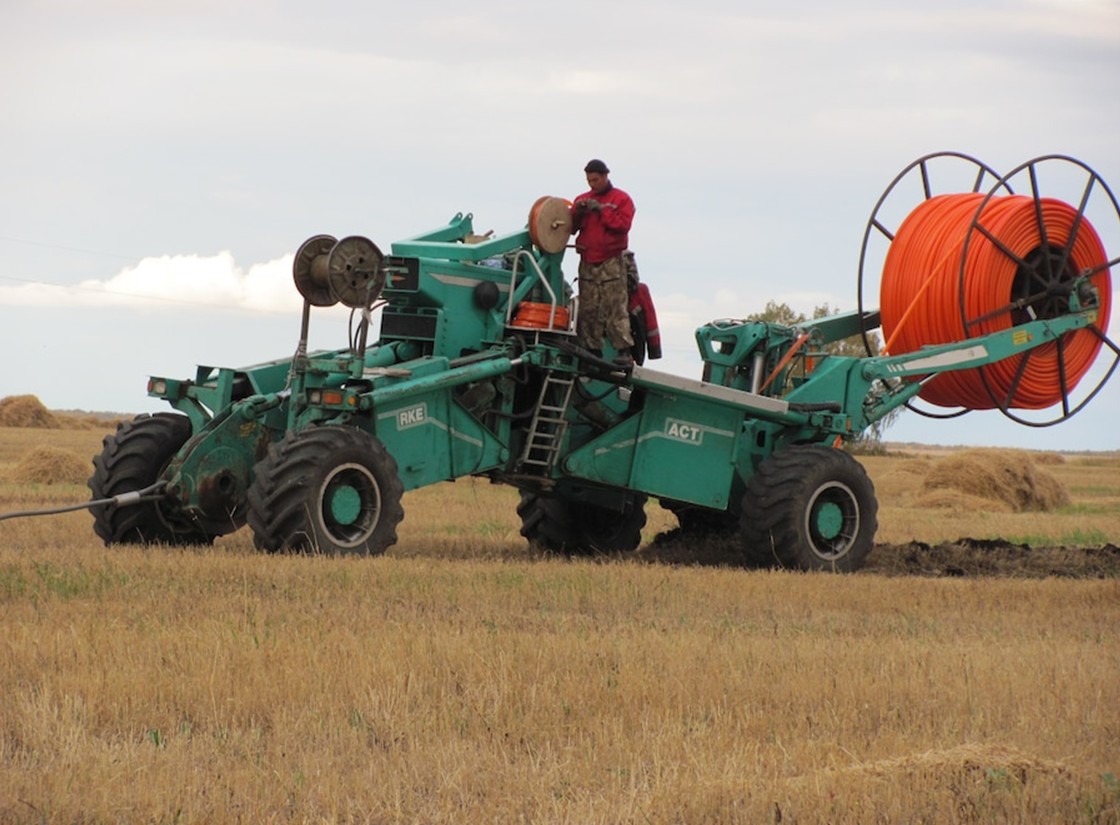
(589, 204)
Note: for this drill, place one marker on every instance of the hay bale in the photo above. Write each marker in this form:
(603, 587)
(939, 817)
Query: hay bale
(902, 479)
(959, 503)
(1008, 476)
(1049, 457)
(26, 411)
(916, 466)
(51, 465)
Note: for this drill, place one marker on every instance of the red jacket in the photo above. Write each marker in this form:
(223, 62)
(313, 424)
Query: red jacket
(604, 233)
(643, 321)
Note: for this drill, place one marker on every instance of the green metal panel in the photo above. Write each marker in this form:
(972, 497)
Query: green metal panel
(609, 458)
(474, 448)
(433, 439)
(415, 432)
(444, 246)
(678, 448)
(686, 450)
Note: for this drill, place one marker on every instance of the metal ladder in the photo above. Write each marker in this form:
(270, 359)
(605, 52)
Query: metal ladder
(546, 431)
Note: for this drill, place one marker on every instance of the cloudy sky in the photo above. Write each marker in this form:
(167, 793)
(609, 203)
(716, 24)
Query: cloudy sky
(161, 161)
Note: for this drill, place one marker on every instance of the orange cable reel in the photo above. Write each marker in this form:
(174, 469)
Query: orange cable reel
(934, 291)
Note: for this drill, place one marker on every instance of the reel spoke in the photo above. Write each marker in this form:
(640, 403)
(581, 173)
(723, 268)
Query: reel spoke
(1067, 250)
(1013, 386)
(927, 189)
(882, 229)
(1063, 383)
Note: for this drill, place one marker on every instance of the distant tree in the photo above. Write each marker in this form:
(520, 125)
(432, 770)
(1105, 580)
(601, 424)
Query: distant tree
(775, 313)
(871, 439)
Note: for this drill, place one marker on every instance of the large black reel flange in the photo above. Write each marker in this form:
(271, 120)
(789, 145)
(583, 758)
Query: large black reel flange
(1045, 276)
(309, 270)
(928, 176)
(355, 273)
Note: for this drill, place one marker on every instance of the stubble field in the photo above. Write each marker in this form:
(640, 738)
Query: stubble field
(463, 677)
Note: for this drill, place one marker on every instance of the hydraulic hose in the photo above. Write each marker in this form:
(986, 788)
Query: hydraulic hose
(150, 493)
(952, 274)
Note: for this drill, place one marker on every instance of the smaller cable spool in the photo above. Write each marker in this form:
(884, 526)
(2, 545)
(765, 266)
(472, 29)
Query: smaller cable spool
(550, 223)
(309, 270)
(531, 315)
(355, 274)
(969, 264)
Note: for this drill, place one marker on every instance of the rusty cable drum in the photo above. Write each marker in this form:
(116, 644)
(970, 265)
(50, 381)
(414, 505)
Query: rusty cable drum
(311, 273)
(355, 274)
(550, 223)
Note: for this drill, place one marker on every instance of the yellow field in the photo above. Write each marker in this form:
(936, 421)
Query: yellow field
(463, 678)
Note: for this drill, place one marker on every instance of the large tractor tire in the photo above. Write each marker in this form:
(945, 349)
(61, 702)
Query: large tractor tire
(577, 528)
(330, 490)
(810, 508)
(132, 459)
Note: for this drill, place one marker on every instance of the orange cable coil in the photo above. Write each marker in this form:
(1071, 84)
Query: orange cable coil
(541, 316)
(921, 301)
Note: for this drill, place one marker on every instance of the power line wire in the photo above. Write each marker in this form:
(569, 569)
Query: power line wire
(45, 245)
(134, 295)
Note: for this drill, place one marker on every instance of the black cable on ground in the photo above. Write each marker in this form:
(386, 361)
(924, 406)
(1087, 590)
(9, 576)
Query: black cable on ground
(151, 493)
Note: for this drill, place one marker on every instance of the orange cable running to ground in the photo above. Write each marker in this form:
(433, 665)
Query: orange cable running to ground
(785, 359)
(921, 294)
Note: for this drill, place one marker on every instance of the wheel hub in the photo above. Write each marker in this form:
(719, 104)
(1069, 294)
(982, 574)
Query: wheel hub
(829, 520)
(350, 503)
(345, 504)
(832, 520)
(1043, 281)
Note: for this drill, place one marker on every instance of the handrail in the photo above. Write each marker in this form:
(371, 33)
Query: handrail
(518, 293)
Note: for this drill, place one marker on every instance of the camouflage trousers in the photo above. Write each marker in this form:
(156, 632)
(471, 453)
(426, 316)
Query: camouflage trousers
(604, 300)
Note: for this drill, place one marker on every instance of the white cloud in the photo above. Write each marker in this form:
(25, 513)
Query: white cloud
(173, 282)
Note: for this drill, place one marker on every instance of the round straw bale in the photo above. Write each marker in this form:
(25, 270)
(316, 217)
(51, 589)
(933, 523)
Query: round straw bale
(1009, 476)
(26, 411)
(902, 478)
(1048, 457)
(960, 503)
(51, 465)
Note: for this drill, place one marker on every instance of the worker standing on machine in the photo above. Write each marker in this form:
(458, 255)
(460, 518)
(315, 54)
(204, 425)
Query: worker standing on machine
(602, 219)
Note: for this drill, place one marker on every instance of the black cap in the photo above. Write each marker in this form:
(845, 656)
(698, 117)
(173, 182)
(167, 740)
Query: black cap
(597, 165)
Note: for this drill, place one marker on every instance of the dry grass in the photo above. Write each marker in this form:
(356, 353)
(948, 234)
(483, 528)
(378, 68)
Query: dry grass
(219, 685)
(461, 678)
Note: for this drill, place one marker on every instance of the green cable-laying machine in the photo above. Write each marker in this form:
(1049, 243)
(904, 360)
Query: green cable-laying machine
(476, 372)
